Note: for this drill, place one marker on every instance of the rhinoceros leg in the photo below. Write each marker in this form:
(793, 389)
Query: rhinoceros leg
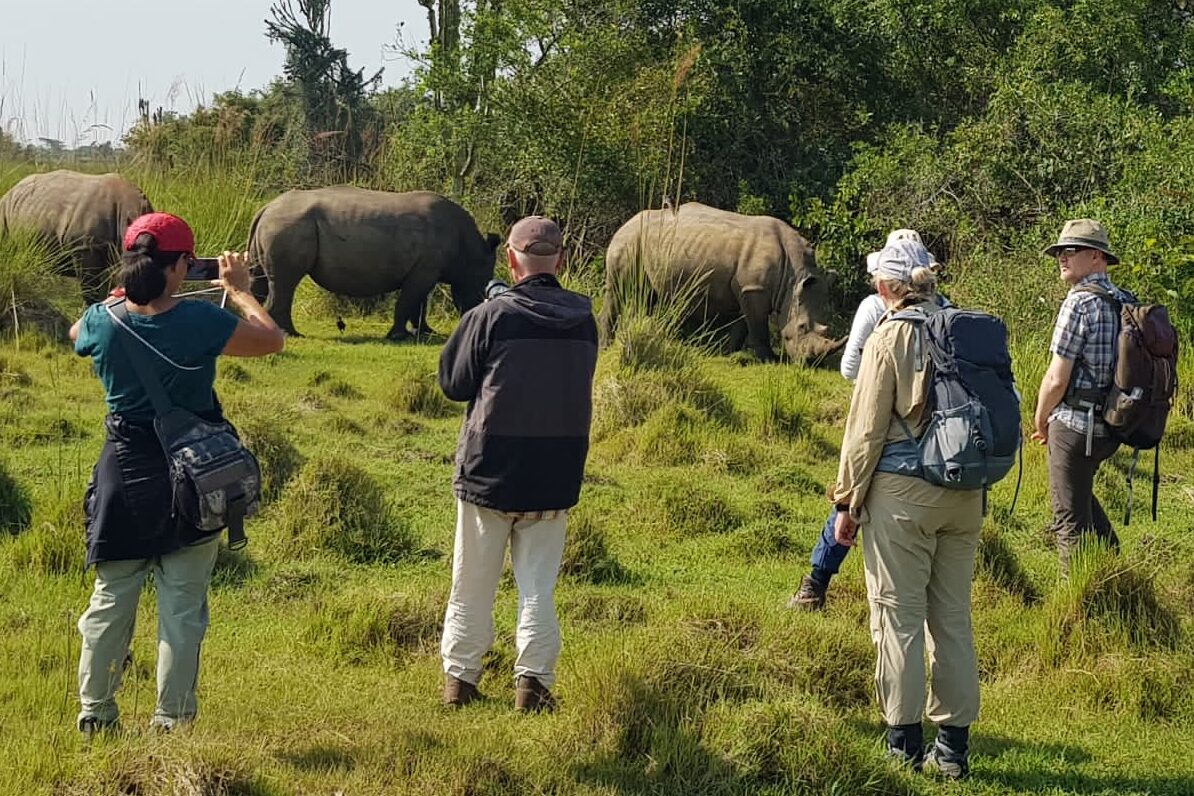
(94, 269)
(280, 304)
(411, 297)
(756, 309)
(423, 330)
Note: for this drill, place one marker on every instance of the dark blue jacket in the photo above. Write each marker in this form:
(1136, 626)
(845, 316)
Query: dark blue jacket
(524, 362)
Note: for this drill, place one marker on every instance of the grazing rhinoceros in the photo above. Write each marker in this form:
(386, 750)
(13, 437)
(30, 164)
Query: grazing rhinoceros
(739, 272)
(82, 215)
(360, 243)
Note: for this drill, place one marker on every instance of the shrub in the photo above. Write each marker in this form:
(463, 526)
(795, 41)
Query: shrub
(586, 555)
(334, 506)
(278, 457)
(16, 509)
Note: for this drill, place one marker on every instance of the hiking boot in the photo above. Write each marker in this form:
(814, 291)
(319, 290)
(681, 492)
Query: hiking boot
(531, 696)
(91, 726)
(905, 745)
(811, 596)
(458, 693)
(950, 754)
(947, 765)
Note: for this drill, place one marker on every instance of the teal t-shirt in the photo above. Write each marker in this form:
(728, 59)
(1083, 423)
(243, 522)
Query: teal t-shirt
(192, 334)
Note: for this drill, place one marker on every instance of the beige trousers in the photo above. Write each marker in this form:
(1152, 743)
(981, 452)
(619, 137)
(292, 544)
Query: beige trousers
(919, 544)
(536, 549)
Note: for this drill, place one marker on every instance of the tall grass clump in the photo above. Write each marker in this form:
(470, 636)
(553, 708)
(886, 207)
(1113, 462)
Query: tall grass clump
(788, 407)
(1107, 603)
(16, 508)
(998, 562)
(276, 454)
(587, 557)
(334, 506)
(356, 624)
(27, 266)
(54, 543)
(685, 506)
(418, 393)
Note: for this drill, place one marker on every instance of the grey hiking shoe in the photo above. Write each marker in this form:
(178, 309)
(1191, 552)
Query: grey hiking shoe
(458, 693)
(810, 597)
(947, 765)
(91, 726)
(531, 696)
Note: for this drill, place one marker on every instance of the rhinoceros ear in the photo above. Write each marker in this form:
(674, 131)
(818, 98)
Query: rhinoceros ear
(493, 240)
(807, 283)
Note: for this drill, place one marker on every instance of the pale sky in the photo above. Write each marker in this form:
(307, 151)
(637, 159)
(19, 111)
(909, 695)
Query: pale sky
(67, 66)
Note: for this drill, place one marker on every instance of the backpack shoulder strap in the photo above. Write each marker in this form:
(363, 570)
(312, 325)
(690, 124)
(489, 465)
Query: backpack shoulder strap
(917, 317)
(1101, 292)
(139, 357)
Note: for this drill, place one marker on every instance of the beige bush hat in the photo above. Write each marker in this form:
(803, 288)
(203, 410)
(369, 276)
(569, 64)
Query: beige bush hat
(1084, 232)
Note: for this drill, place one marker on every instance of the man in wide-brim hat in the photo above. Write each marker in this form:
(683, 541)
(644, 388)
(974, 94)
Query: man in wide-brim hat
(1069, 408)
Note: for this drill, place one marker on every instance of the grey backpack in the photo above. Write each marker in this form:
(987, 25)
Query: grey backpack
(973, 430)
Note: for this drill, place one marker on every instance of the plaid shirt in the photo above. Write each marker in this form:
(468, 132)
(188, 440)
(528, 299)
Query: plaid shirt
(1086, 333)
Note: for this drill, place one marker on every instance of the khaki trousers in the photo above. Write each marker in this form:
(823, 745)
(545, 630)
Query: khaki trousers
(181, 579)
(919, 544)
(536, 548)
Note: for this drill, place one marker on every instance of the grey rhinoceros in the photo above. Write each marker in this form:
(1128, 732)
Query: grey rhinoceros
(357, 242)
(740, 272)
(83, 216)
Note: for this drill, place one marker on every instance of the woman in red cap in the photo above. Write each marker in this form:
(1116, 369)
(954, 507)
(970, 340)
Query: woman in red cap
(131, 527)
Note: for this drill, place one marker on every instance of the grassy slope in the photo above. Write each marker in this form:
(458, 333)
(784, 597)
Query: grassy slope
(681, 674)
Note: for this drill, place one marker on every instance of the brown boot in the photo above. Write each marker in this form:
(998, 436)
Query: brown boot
(811, 596)
(531, 696)
(458, 693)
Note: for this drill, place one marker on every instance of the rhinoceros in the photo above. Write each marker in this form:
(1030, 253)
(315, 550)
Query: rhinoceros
(357, 242)
(83, 216)
(739, 272)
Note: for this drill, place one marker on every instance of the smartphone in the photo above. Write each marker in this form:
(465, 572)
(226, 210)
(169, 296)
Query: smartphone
(203, 269)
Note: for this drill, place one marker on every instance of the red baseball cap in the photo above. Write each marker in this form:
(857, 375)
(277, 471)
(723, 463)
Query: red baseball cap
(169, 231)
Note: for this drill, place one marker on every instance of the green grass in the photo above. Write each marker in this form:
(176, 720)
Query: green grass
(682, 672)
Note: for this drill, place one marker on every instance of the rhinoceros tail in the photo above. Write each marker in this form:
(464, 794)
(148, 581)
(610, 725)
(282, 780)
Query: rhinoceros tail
(258, 264)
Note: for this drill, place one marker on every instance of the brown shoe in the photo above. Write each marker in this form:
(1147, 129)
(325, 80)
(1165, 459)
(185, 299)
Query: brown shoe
(531, 696)
(458, 693)
(811, 596)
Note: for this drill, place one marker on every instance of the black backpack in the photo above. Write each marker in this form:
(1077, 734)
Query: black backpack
(216, 480)
(973, 431)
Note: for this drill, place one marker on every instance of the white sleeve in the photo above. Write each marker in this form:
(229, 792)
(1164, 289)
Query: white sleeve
(865, 319)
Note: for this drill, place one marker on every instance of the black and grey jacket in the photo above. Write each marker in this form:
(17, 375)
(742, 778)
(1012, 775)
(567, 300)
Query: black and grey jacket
(524, 361)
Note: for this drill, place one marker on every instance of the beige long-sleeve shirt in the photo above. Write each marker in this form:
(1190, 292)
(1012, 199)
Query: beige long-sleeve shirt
(888, 384)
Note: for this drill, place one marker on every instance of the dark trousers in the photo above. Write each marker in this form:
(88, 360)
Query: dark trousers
(1076, 510)
(828, 555)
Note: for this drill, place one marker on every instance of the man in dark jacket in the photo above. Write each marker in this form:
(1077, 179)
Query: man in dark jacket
(523, 361)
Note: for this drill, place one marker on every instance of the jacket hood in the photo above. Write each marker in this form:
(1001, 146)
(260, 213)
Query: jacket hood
(542, 299)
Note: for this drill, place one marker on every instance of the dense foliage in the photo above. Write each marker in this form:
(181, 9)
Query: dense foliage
(982, 123)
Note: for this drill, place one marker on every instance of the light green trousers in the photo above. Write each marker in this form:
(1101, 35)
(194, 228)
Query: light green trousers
(919, 544)
(181, 579)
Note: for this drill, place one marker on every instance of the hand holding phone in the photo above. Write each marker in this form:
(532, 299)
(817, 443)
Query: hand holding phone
(233, 273)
